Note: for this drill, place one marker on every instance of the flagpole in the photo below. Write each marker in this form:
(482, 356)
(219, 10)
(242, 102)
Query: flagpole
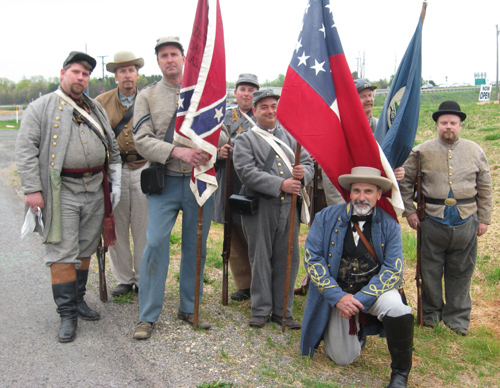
(422, 14)
(290, 243)
(198, 268)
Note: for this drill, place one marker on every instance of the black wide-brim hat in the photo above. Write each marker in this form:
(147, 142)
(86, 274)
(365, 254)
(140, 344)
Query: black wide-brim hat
(449, 108)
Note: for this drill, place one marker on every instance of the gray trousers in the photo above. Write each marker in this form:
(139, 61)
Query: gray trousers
(267, 236)
(343, 348)
(82, 217)
(448, 252)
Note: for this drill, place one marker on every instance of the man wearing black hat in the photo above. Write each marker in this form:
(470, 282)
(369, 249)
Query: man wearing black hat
(457, 190)
(354, 256)
(238, 119)
(263, 157)
(64, 153)
(131, 214)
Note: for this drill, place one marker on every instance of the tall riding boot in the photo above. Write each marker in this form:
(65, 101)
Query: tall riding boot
(84, 311)
(400, 343)
(65, 298)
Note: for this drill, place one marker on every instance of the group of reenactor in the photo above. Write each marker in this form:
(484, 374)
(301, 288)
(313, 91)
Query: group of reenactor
(80, 161)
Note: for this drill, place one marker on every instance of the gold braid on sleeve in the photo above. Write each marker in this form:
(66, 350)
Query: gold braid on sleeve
(318, 274)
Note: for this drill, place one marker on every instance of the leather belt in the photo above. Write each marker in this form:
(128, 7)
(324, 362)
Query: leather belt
(131, 157)
(449, 201)
(86, 174)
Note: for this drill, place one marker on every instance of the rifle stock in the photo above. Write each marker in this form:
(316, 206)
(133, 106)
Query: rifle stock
(101, 260)
(228, 223)
(420, 215)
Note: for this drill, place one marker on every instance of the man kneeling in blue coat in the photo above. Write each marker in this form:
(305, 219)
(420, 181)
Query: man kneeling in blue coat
(349, 281)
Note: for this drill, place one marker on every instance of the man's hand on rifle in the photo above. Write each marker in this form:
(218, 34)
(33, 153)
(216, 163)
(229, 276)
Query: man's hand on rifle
(224, 151)
(413, 221)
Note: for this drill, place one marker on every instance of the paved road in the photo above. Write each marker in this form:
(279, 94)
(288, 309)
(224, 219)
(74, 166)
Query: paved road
(103, 354)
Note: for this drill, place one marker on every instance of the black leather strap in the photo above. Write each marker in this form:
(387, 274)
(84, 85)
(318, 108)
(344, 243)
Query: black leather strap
(449, 201)
(125, 119)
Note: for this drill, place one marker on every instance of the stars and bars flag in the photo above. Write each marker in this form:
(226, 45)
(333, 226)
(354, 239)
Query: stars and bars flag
(202, 100)
(398, 122)
(320, 106)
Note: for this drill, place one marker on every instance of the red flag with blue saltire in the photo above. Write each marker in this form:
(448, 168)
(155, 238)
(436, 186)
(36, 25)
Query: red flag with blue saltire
(320, 106)
(202, 100)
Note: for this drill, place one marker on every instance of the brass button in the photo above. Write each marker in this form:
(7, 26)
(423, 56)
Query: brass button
(328, 265)
(450, 157)
(279, 164)
(450, 167)
(382, 245)
(354, 269)
(54, 137)
(52, 164)
(449, 151)
(183, 168)
(83, 133)
(338, 219)
(60, 108)
(57, 118)
(336, 230)
(282, 198)
(63, 103)
(84, 142)
(127, 143)
(329, 255)
(56, 126)
(52, 156)
(54, 144)
(350, 285)
(333, 242)
(126, 133)
(281, 172)
(451, 174)
(277, 157)
(450, 183)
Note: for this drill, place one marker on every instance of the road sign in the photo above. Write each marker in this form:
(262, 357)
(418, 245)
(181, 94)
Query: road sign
(480, 81)
(485, 93)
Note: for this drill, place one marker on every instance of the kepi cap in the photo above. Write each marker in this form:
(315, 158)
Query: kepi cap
(365, 175)
(449, 107)
(363, 83)
(124, 58)
(77, 56)
(247, 78)
(260, 94)
(172, 40)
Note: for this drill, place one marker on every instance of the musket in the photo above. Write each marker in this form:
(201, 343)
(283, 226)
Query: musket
(101, 260)
(290, 243)
(420, 215)
(228, 223)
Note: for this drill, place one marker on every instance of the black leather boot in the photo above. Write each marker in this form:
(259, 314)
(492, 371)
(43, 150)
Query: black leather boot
(65, 298)
(84, 311)
(400, 343)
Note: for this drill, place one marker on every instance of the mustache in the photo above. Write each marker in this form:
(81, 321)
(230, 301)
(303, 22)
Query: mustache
(358, 202)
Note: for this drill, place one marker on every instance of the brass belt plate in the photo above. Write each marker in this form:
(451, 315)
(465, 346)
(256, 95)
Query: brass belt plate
(131, 158)
(87, 174)
(450, 201)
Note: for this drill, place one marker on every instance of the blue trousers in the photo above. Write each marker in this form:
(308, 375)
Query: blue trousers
(162, 214)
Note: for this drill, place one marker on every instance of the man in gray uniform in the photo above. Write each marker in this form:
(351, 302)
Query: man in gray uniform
(154, 124)
(263, 160)
(237, 120)
(63, 149)
(458, 196)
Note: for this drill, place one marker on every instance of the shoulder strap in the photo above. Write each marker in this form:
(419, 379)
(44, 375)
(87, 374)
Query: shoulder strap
(89, 118)
(125, 119)
(365, 241)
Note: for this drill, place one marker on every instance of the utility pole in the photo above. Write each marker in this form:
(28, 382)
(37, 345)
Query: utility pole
(103, 81)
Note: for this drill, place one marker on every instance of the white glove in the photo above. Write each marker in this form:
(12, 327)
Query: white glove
(115, 177)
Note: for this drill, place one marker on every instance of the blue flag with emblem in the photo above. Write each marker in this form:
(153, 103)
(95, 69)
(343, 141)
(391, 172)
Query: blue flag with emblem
(398, 122)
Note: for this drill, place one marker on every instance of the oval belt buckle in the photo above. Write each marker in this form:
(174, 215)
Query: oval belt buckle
(87, 174)
(450, 201)
(131, 158)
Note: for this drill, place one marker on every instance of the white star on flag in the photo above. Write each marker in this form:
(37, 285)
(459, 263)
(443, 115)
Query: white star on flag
(303, 59)
(318, 66)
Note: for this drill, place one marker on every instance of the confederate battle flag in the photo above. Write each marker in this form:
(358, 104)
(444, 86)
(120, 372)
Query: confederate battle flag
(202, 100)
